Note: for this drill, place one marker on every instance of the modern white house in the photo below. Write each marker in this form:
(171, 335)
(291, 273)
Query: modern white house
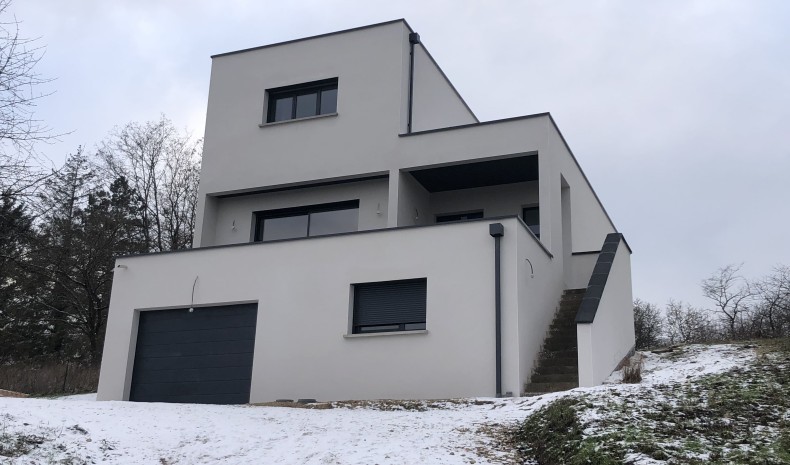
(362, 235)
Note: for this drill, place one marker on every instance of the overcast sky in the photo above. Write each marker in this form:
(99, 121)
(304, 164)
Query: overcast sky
(678, 111)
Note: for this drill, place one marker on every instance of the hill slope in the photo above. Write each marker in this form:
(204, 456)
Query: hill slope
(77, 429)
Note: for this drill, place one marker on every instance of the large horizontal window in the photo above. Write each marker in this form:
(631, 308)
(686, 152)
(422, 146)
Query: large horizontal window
(389, 306)
(313, 220)
(302, 100)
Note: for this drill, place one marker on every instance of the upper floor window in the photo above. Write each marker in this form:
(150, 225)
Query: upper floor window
(313, 220)
(531, 216)
(302, 100)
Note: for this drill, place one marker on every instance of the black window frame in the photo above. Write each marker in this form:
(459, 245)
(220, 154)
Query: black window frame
(296, 90)
(260, 216)
(456, 217)
(388, 327)
(524, 218)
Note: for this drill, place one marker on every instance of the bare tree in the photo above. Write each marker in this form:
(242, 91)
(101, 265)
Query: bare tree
(648, 324)
(687, 325)
(162, 166)
(19, 129)
(731, 295)
(773, 302)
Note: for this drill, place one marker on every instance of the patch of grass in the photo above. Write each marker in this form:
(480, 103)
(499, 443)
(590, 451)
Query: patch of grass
(387, 405)
(742, 416)
(554, 436)
(21, 442)
(17, 445)
(409, 405)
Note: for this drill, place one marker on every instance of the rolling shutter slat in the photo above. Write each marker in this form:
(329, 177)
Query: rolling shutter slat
(392, 302)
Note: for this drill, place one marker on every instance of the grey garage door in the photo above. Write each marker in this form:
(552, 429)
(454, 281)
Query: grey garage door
(204, 356)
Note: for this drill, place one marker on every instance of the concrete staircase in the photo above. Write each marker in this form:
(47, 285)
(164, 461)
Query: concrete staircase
(558, 365)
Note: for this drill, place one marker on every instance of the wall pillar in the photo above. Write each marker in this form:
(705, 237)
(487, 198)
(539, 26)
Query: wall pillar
(392, 200)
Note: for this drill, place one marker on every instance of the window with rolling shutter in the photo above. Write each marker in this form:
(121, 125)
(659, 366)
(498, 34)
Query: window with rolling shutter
(389, 306)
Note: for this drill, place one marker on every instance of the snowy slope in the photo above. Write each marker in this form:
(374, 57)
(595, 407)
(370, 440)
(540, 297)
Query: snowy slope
(80, 429)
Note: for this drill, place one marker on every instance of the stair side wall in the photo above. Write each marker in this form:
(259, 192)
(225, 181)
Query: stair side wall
(603, 343)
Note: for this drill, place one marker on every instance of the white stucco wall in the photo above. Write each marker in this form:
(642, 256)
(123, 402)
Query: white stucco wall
(372, 196)
(414, 205)
(436, 103)
(300, 348)
(239, 154)
(603, 343)
(589, 221)
(581, 268)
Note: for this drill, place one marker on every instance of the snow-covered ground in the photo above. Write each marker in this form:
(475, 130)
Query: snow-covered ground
(79, 429)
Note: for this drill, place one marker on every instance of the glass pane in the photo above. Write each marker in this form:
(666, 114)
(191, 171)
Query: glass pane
(328, 101)
(284, 228)
(306, 105)
(531, 216)
(535, 228)
(283, 108)
(333, 222)
(459, 217)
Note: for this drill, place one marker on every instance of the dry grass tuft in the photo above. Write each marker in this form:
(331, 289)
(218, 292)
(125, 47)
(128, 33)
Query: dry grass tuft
(632, 374)
(47, 379)
(632, 371)
(313, 406)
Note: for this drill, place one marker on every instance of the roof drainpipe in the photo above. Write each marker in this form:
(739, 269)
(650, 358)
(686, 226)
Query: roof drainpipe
(496, 230)
(414, 39)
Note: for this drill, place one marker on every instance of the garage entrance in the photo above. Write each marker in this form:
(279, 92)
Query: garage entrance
(203, 356)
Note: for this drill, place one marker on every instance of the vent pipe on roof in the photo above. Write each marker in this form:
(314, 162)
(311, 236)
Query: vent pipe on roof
(414, 39)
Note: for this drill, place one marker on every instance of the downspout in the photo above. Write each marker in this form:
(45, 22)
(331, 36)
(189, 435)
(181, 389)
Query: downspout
(414, 39)
(496, 230)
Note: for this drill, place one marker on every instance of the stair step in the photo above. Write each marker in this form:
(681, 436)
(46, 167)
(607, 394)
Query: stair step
(564, 324)
(567, 308)
(549, 387)
(559, 361)
(580, 290)
(565, 338)
(556, 378)
(560, 343)
(565, 353)
(557, 369)
(568, 337)
(567, 330)
(563, 330)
